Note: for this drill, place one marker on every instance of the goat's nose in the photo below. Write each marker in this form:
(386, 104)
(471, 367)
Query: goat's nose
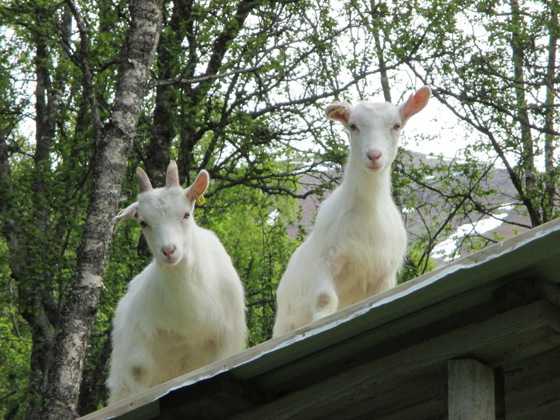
(168, 250)
(373, 155)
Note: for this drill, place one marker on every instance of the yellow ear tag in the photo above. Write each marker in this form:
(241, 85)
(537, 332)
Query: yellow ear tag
(336, 111)
(201, 200)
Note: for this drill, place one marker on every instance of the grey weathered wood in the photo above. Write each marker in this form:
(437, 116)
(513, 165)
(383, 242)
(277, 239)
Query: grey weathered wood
(532, 387)
(141, 406)
(471, 392)
(423, 396)
(505, 337)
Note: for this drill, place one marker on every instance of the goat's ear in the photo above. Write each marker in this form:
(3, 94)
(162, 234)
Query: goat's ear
(128, 213)
(415, 103)
(339, 111)
(199, 186)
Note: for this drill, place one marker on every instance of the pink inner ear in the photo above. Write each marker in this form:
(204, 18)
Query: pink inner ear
(415, 103)
(339, 112)
(199, 186)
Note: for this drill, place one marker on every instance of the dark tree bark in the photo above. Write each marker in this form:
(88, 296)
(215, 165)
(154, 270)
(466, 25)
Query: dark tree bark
(4, 169)
(62, 392)
(379, 48)
(33, 281)
(190, 133)
(528, 152)
(163, 131)
(549, 140)
(93, 387)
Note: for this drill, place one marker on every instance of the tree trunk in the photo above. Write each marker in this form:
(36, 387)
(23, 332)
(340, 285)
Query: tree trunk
(33, 282)
(4, 171)
(190, 132)
(163, 131)
(93, 388)
(62, 392)
(379, 49)
(527, 162)
(550, 167)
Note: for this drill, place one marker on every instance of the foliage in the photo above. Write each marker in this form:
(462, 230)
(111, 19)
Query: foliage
(15, 342)
(497, 73)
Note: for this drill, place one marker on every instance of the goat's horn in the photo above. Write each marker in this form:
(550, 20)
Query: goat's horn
(172, 177)
(143, 180)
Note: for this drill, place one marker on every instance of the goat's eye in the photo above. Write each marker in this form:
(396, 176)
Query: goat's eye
(143, 224)
(187, 215)
(397, 126)
(353, 127)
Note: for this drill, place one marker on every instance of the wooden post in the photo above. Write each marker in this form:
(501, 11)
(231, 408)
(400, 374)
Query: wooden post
(471, 392)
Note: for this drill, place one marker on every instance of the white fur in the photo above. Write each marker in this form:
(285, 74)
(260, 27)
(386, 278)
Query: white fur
(359, 241)
(186, 309)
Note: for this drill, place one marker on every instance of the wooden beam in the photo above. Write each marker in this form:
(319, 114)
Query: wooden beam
(506, 337)
(471, 392)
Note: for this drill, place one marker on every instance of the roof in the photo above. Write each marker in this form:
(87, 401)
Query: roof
(387, 356)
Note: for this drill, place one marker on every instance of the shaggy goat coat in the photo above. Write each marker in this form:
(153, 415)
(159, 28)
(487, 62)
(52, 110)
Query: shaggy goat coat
(359, 241)
(186, 309)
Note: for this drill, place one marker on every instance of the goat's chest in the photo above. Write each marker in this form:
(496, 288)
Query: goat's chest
(177, 354)
(371, 237)
(167, 343)
(187, 309)
(365, 255)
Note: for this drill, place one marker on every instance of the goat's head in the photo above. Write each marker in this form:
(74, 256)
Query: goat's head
(375, 128)
(166, 214)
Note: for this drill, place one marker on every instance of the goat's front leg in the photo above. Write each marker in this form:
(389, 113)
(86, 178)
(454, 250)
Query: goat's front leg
(132, 370)
(323, 292)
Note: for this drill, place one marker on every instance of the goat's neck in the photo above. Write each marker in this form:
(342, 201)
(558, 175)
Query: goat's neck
(364, 186)
(183, 275)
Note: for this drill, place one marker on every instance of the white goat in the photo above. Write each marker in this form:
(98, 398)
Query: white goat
(186, 309)
(359, 241)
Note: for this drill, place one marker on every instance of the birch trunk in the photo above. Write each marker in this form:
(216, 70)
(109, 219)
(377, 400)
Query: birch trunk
(60, 399)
